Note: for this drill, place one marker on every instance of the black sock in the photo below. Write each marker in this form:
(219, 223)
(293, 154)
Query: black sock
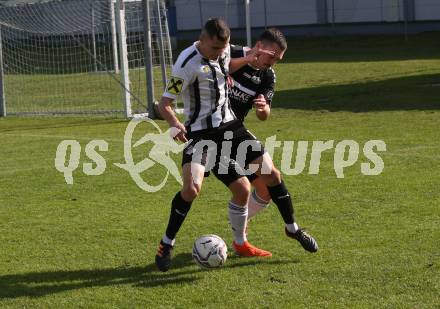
(179, 210)
(281, 197)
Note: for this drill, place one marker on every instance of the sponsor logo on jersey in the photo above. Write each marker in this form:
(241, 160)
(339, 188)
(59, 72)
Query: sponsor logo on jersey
(239, 95)
(206, 69)
(247, 75)
(175, 85)
(256, 80)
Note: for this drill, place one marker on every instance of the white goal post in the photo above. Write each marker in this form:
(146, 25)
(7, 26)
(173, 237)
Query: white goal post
(83, 57)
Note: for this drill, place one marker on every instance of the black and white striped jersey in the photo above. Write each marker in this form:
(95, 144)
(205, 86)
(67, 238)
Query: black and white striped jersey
(203, 86)
(248, 84)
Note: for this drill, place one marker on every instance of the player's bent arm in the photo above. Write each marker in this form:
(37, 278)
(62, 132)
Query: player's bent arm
(262, 107)
(251, 55)
(237, 63)
(264, 113)
(166, 111)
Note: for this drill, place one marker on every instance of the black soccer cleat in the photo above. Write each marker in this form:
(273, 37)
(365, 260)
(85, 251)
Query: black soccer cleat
(163, 256)
(306, 241)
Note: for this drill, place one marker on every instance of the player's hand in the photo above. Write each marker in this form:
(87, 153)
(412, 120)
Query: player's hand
(260, 102)
(230, 82)
(178, 132)
(255, 52)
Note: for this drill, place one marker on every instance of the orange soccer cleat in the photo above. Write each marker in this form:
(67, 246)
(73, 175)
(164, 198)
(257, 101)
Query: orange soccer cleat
(248, 250)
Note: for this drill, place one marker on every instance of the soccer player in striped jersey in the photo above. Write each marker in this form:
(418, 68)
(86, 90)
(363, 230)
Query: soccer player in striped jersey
(200, 76)
(254, 86)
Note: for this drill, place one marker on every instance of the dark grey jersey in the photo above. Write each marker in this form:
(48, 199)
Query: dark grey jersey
(248, 84)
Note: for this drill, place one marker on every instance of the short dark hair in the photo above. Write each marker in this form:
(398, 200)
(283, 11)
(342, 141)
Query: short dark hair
(274, 35)
(217, 27)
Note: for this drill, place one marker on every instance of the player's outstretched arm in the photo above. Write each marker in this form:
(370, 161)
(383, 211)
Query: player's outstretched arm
(262, 108)
(251, 56)
(166, 111)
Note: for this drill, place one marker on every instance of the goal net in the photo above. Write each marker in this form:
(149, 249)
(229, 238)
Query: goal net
(83, 56)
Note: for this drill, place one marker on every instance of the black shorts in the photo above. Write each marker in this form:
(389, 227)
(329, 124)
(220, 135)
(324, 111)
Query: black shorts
(228, 158)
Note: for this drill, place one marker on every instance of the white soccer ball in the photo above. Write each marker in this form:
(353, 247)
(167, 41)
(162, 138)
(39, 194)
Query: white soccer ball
(210, 251)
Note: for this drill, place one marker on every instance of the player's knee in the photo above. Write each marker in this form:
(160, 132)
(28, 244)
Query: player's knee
(275, 176)
(245, 190)
(241, 191)
(189, 193)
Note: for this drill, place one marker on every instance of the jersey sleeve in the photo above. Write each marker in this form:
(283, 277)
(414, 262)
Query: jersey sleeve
(181, 77)
(267, 87)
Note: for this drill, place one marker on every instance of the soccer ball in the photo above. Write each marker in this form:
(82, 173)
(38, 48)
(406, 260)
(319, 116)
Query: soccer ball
(210, 251)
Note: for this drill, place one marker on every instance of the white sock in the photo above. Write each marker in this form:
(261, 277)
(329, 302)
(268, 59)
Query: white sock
(238, 219)
(256, 204)
(168, 241)
(292, 228)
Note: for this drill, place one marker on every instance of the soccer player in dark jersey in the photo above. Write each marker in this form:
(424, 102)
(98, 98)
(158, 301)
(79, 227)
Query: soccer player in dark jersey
(253, 86)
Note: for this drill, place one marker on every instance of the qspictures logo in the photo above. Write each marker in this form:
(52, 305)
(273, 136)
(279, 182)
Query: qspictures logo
(162, 144)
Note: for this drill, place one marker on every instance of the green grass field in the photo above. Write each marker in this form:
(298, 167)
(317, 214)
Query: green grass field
(76, 93)
(92, 244)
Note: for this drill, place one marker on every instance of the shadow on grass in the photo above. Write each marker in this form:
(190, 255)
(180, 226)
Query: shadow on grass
(183, 271)
(421, 92)
(239, 261)
(38, 284)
